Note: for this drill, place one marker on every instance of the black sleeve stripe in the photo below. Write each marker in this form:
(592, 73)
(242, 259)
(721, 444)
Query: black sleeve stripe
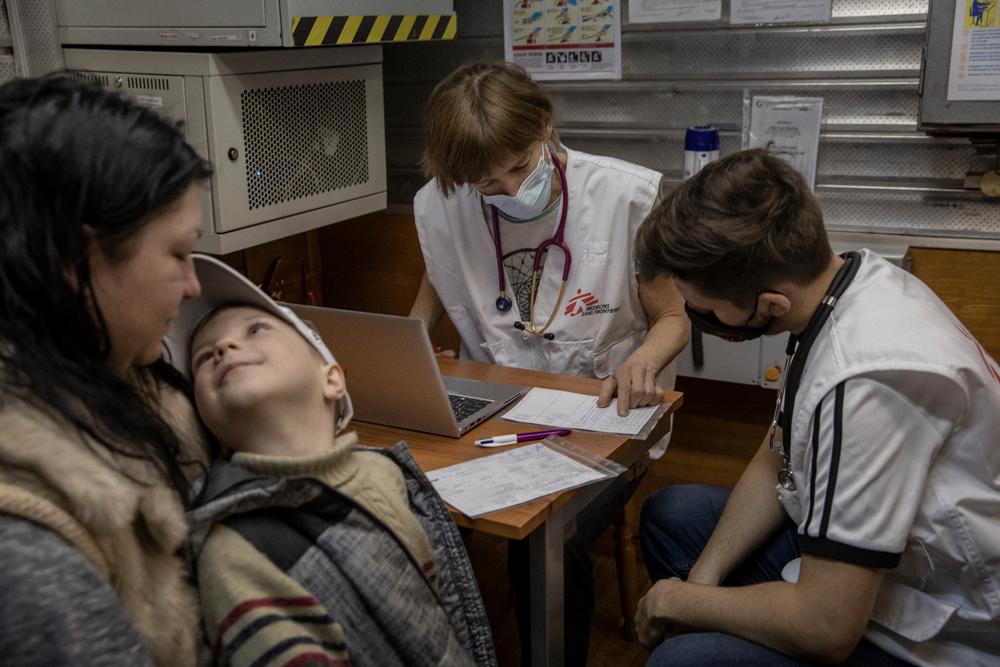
(812, 475)
(846, 553)
(247, 633)
(283, 646)
(838, 432)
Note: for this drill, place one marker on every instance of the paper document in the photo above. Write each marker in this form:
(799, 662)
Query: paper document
(566, 409)
(779, 11)
(662, 11)
(789, 127)
(511, 478)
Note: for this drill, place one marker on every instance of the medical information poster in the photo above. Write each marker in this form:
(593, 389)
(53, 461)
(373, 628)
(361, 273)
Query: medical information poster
(789, 128)
(673, 11)
(564, 39)
(975, 51)
(779, 11)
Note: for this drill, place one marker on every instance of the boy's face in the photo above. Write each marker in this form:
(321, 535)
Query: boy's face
(244, 359)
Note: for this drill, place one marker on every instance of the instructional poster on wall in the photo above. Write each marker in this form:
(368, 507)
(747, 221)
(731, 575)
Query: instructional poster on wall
(779, 11)
(673, 11)
(788, 127)
(975, 51)
(564, 39)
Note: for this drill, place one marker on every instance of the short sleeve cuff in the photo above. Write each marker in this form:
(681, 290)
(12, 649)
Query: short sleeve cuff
(846, 553)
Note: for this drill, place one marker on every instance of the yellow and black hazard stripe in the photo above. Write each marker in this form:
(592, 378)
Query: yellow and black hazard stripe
(330, 30)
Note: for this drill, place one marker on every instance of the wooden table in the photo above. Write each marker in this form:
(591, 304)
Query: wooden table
(542, 521)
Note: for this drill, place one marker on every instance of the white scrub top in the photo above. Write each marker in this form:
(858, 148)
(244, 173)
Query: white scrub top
(600, 320)
(896, 459)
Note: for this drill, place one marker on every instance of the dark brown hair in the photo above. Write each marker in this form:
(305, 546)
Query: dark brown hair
(482, 114)
(736, 228)
(82, 166)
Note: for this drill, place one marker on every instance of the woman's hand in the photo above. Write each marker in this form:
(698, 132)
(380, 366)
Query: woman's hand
(634, 382)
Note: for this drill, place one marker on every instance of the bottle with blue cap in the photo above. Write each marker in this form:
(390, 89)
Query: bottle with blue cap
(701, 146)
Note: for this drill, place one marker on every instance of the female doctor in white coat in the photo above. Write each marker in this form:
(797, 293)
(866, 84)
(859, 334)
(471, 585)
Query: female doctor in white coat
(529, 248)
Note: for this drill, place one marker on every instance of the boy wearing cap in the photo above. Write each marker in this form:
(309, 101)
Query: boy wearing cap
(308, 548)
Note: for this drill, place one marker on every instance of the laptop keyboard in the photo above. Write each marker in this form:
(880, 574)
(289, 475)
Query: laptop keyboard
(464, 406)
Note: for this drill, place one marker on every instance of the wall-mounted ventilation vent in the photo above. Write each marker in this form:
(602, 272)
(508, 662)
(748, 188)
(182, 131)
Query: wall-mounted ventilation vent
(304, 140)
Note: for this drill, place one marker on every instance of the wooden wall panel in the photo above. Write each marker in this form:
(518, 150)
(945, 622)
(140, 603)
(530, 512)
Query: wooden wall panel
(297, 259)
(373, 263)
(968, 281)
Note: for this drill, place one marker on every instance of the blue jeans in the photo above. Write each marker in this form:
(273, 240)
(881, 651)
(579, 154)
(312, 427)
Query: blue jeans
(675, 525)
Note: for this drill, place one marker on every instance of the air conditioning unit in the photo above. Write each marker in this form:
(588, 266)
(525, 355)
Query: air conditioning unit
(252, 23)
(296, 137)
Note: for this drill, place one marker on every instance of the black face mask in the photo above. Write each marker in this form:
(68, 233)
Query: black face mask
(710, 324)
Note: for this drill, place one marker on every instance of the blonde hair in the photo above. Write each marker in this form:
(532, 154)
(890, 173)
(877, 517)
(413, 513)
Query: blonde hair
(482, 114)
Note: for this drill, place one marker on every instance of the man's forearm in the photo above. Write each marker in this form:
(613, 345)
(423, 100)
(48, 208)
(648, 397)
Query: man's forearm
(820, 617)
(773, 614)
(751, 516)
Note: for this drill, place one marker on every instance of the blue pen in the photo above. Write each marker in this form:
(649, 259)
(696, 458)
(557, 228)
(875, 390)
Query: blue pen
(514, 438)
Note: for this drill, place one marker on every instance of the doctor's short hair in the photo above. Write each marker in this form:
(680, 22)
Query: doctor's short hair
(481, 115)
(736, 229)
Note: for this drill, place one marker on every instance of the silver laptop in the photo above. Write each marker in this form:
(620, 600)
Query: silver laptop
(393, 377)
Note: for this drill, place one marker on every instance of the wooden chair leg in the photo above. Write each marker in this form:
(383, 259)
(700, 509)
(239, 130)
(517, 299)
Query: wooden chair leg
(628, 593)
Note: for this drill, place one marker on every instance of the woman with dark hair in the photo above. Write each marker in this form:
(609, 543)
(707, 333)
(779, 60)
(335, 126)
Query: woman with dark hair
(100, 208)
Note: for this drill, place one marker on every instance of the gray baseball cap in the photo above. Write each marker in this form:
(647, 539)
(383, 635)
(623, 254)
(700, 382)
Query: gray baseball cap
(221, 285)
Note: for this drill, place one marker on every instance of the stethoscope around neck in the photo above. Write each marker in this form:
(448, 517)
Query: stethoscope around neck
(797, 353)
(503, 302)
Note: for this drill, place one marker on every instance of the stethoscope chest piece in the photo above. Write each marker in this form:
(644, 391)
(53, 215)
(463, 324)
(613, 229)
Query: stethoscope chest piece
(526, 333)
(503, 303)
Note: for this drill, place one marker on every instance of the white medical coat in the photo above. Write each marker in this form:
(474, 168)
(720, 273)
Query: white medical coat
(600, 320)
(895, 452)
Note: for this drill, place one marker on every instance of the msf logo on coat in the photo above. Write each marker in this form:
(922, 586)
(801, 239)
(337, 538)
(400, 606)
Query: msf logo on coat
(585, 303)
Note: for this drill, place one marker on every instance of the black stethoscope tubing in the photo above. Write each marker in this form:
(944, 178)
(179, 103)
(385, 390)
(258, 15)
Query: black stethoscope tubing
(800, 345)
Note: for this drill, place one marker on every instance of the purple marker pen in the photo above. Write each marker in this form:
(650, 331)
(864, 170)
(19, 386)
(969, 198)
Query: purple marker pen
(514, 438)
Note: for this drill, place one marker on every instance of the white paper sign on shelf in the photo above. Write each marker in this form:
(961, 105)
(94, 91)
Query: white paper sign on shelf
(789, 127)
(564, 39)
(974, 73)
(673, 11)
(779, 11)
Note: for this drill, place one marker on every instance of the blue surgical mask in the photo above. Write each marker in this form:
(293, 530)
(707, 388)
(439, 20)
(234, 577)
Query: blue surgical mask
(531, 197)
